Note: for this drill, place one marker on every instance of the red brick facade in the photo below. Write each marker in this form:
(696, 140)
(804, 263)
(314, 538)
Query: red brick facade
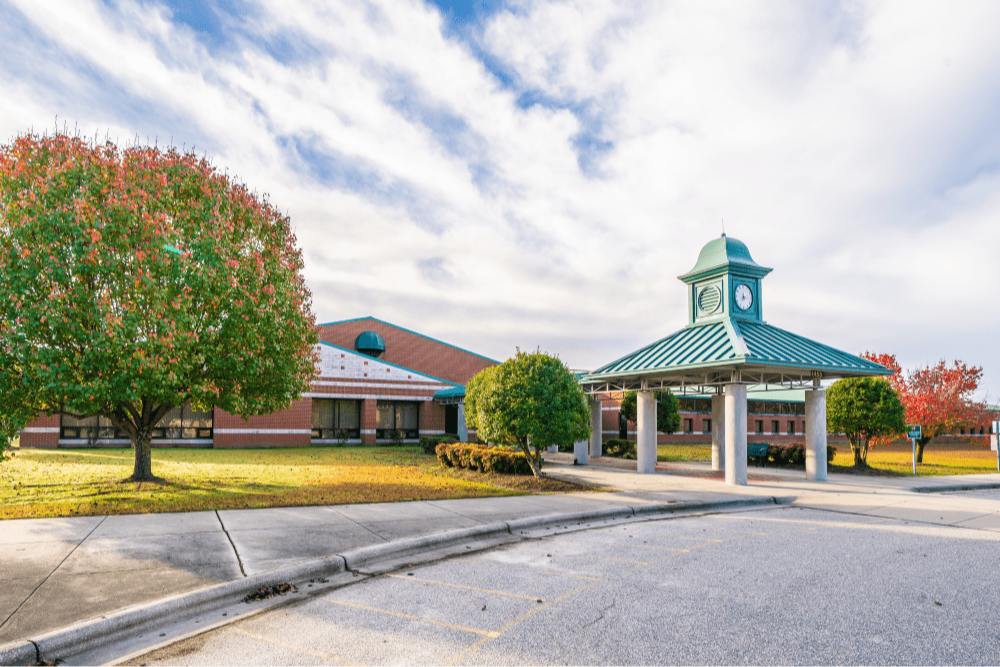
(410, 371)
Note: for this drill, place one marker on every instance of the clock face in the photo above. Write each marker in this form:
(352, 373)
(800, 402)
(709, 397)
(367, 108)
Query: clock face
(744, 297)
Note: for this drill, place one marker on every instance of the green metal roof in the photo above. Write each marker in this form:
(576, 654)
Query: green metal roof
(727, 344)
(721, 255)
(458, 391)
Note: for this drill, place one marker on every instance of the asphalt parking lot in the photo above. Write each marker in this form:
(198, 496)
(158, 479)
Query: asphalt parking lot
(775, 586)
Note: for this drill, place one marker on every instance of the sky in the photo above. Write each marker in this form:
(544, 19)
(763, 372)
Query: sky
(511, 173)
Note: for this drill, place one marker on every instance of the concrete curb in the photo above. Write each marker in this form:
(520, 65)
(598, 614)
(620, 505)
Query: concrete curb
(535, 522)
(18, 653)
(364, 557)
(955, 487)
(86, 635)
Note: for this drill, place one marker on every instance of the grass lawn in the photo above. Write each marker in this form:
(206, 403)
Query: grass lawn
(958, 458)
(52, 483)
(669, 453)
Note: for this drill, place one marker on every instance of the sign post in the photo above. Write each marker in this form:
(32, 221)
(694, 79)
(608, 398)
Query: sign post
(995, 440)
(914, 433)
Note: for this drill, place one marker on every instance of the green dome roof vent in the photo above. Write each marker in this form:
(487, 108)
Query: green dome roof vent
(370, 343)
(722, 254)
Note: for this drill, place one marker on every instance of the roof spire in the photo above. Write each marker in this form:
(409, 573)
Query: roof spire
(723, 226)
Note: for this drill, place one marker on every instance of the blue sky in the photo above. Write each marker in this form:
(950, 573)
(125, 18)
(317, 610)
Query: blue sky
(536, 174)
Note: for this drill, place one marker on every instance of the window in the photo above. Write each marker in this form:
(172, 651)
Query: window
(689, 426)
(758, 427)
(706, 425)
(397, 416)
(775, 427)
(90, 428)
(791, 427)
(335, 419)
(183, 423)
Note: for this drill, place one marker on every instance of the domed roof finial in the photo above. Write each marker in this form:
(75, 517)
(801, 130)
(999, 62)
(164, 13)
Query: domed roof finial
(723, 227)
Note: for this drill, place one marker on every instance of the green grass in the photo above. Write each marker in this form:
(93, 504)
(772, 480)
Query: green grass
(960, 458)
(52, 483)
(669, 453)
(939, 459)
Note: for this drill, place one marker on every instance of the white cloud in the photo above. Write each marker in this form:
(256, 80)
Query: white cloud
(851, 145)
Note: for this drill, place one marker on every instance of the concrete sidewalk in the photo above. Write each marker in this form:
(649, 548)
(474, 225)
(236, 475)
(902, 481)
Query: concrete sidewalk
(59, 571)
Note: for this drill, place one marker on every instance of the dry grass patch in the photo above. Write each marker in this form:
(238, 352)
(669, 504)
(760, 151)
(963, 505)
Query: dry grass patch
(684, 452)
(959, 458)
(53, 483)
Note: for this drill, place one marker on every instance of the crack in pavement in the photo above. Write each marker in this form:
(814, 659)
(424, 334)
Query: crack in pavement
(23, 602)
(229, 537)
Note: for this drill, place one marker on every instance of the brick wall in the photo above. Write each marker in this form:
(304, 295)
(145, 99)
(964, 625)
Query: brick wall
(409, 349)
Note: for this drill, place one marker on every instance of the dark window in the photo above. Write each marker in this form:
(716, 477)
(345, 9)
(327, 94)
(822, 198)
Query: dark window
(184, 423)
(758, 426)
(775, 427)
(336, 419)
(706, 425)
(689, 426)
(791, 428)
(393, 416)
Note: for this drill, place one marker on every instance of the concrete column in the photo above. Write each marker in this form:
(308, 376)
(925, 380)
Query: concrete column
(596, 429)
(718, 432)
(816, 434)
(645, 441)
(736, 434)
(580, 452)
(463, 430)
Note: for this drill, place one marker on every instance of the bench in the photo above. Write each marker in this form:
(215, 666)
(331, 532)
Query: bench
(757, 452)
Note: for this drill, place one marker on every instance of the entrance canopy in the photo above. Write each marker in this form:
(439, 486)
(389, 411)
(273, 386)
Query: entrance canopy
(725, 347)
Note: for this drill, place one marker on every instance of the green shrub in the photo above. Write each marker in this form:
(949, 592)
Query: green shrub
(621, 449)
(794, 454)
(502, 460)
(429, 443)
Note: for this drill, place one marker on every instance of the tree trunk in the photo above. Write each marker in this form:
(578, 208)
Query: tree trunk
(536, 468)
(143, 471)
(921, 443)
(860, 461)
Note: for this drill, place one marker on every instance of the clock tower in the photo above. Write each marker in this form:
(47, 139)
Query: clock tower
(725, 282)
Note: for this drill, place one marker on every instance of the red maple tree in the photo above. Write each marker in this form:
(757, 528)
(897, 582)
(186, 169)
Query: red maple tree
(938, 397)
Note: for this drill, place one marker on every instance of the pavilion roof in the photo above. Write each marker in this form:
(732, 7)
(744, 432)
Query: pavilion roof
(710, 353)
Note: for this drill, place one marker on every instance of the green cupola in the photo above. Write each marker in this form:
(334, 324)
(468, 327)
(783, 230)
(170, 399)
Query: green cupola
(725, 282)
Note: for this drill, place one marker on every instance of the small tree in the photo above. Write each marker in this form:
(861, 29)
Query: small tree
(133, 281)
(863, 409)
(531, 401)
(668, 416)
(938, 398)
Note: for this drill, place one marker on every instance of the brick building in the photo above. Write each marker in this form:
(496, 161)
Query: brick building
(377, 383)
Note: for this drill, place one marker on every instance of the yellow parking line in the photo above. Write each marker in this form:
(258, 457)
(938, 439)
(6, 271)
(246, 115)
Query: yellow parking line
(532, 569)
(621, 560)
(486, 633)
(294, 647)
(468, 588)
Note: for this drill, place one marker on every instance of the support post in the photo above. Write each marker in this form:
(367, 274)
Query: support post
(718, 432)
(736, 434)
(596, 429)
(463, 429)
(816, 434)
(580, 453)
(646, 437)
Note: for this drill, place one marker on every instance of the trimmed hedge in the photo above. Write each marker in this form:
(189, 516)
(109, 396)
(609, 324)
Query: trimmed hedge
(620, 449)
(794, 454)
(429, 443)
(482, 458)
